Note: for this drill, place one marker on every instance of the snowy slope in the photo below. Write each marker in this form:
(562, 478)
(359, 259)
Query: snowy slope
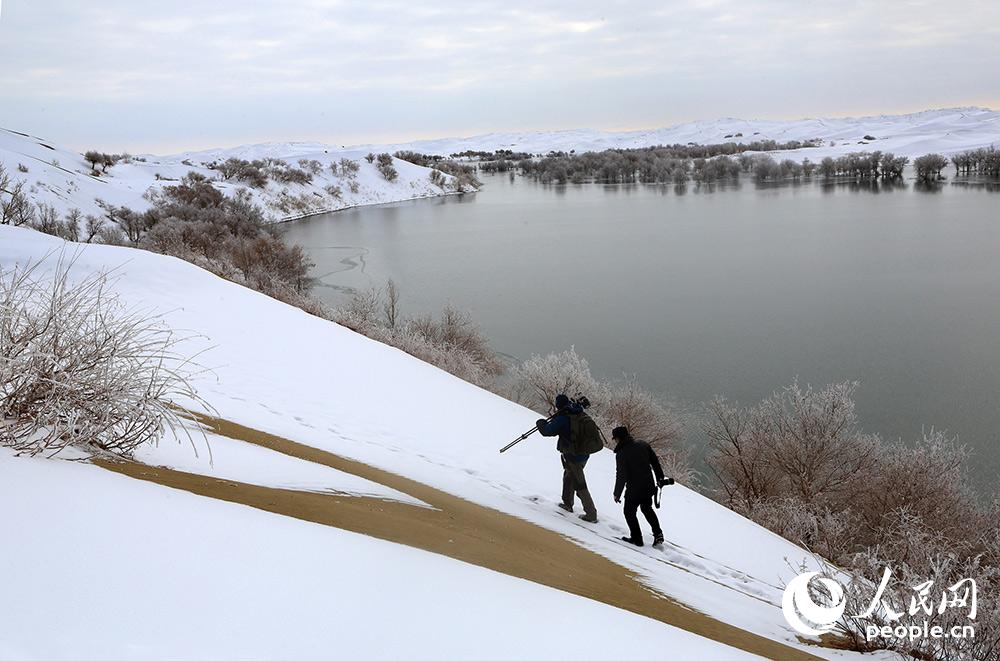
(107, 568)
(945, 131)
(322, 385)
(62, 178)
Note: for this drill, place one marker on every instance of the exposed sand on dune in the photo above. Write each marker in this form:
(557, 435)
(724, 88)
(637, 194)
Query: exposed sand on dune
(456, 528)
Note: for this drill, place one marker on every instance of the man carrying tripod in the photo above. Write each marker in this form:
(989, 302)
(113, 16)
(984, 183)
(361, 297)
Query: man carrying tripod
(636, 465)
(579, 437)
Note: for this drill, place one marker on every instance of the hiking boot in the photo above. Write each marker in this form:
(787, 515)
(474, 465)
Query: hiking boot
(564, 506)
(658, 539)
(634, 542)
(589, 518)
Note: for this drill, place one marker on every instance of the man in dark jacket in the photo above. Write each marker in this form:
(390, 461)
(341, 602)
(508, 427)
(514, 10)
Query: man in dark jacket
(636, 465)
(573, 464)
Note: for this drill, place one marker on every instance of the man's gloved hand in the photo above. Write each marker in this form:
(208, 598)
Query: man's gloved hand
(540, 423)
(666, 482)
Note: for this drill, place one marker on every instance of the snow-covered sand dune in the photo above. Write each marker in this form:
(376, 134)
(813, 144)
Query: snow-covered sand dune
(60, 177)
(945, 131)
(283, 371)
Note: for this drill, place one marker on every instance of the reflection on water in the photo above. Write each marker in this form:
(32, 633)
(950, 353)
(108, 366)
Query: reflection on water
(705, 290)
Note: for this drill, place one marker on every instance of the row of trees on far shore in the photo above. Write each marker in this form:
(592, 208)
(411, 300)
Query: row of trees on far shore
(677, 165)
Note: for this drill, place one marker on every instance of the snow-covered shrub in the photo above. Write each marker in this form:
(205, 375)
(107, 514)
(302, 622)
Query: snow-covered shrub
(798, 464)
(627, 403)
(310, 165)
(21, 167)
(284, 173)
(799, 443)
(451, 341)
(348, 168)
(229, 236)
(386, 167)
(920, 557)
(536, 382)
(818, 528)
(455, 329)
(423, 160)
(799, 456)
(465, 175)
(438, 178)
(927, 479)
(250, 172)
(334, 191)
(77, 368)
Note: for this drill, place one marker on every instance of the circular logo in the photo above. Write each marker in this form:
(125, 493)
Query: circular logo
(806, 616)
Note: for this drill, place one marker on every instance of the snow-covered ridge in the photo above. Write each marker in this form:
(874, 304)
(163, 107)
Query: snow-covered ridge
(945, 131)
(62, 178)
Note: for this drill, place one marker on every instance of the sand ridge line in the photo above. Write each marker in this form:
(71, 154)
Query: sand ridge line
(456, 528)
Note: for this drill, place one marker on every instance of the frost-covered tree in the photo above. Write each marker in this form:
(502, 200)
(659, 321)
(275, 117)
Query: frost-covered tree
(540, 378)
(95, 158)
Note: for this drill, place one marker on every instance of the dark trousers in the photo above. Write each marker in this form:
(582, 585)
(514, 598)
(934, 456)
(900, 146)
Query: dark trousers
(575, 483)
(642, 502)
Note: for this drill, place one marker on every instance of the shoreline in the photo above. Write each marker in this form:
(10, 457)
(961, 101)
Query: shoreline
(310, 214)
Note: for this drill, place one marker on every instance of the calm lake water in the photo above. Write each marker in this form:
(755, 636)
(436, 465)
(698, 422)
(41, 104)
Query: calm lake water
(735, 292)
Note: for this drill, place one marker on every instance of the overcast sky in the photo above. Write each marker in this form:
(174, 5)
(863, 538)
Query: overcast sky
(168, 75)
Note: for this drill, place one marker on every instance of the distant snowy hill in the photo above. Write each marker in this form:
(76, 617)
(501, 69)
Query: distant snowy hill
(60, 177)
(944, 131)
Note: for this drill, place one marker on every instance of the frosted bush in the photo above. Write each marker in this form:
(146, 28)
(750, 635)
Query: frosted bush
(78, 368)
